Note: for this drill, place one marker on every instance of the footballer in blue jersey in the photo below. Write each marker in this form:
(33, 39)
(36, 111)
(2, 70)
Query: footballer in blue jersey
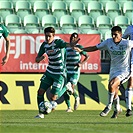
(128, 34)
(120, 51)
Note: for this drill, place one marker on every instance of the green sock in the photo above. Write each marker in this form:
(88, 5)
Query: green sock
(75, 94)
(40, 99)
(61, 92)
(67, 99)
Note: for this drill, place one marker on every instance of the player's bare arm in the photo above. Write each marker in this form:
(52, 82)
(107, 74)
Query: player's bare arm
(73, 43)
(87, 49)
(5, 58)
(84, 60)
(38, 59)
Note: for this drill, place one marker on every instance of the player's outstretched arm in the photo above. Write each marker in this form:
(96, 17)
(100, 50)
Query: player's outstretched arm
(73, 43)
(87, 49)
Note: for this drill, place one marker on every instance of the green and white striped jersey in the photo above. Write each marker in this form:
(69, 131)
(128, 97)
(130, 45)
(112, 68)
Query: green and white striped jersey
(56, 52)
(73, 58)
(3, 31)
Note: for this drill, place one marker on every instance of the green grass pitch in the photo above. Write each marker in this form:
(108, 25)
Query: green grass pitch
(59, 121)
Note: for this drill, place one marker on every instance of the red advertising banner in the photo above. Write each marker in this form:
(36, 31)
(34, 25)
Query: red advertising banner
(24, 48)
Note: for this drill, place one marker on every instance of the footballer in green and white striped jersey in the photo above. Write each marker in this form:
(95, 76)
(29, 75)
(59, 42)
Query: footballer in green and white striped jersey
(73, 58)
(73, 64)
(55, 75)
(3, 31)
(56, 55)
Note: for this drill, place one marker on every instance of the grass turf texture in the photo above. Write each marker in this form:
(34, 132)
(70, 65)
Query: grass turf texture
(59, 121)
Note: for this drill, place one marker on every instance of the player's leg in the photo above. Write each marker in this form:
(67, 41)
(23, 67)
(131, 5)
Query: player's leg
(67, 95)
(77, 100)
(74, 79)
(113, 84)
(58, 88)
(128, 96)
(123, 77)
(67, 101)
(46, 82)
(117, 108)
(44, 85)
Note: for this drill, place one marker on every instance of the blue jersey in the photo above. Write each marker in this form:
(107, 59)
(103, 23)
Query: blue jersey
(120, 54)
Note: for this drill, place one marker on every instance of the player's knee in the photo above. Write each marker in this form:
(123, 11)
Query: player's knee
(40, 91)
(53, 97)
(111, 88)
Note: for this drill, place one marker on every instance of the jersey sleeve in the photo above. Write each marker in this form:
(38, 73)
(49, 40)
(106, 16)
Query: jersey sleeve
(102, 45)
(60, 43)
(5, 31)
(131, 43)
(41, 50)
(126, 33)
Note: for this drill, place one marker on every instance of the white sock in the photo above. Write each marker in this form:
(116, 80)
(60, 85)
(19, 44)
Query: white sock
(116, 103)
(128, 96)
(110, 99)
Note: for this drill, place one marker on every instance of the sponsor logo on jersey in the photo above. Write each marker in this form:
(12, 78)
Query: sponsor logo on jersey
(118, 52)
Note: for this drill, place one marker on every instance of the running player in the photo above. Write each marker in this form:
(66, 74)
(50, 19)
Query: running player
(55, 74)
(129, 92)
(5, 33)
(119, 50)
(73, 64)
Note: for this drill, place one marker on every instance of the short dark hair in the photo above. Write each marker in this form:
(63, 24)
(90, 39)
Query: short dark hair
(49, 29)
(116, 28)
(74, 35)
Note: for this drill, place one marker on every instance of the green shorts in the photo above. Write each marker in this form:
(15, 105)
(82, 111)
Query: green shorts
(73, 78)
(55, 81)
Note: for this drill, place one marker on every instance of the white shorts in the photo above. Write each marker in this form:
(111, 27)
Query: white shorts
(132, 69)
(123, 76)
(132, 64)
